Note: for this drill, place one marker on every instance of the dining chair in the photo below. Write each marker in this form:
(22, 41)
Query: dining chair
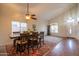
(27, 37)
(21, 44)
(35, 39)
(41, 37)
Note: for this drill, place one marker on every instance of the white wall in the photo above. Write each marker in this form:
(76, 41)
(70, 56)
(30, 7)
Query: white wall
(41, 25)
(63, 26)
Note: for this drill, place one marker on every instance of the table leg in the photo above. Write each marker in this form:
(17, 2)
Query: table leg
(14, 42)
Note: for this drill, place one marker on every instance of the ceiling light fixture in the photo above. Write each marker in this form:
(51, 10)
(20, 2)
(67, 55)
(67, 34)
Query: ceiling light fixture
(30, 16)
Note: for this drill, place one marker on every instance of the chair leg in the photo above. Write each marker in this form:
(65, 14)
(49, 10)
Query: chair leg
(14, 42)
(43, 41)
(37, 46)
(40, 42)
(28, 50)
(33, 49)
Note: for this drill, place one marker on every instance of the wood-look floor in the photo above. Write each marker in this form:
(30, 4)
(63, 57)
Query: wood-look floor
(67, 47)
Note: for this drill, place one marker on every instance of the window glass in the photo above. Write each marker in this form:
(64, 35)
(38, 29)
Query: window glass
(23, 27)
(19, 26)
(54, 28)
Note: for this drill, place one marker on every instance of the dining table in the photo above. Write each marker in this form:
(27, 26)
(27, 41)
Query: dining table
(17, 36)
(14, 37)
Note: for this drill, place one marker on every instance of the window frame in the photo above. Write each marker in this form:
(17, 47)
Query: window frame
(19, 28)
(55, 30)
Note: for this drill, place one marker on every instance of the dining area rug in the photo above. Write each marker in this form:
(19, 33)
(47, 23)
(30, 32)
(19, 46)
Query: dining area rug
(42, 51)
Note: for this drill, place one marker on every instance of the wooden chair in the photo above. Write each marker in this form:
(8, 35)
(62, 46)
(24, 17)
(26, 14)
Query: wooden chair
(30, 42)
(35, 40)
(41, 37)
(21, 43)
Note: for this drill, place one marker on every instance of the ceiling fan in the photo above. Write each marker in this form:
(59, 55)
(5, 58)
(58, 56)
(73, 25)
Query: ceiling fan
(30, 16)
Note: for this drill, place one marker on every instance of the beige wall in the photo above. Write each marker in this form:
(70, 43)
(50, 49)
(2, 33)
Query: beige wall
(7, 15)
(5, 28)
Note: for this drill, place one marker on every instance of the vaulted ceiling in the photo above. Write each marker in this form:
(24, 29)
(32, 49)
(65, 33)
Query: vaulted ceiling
(44, 11)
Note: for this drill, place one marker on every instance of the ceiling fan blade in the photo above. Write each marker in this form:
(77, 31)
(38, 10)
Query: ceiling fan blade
(33, 15)
(34, 18)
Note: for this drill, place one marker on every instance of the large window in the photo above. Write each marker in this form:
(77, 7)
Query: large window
(70, 21)
(54, 28)
(19, 26)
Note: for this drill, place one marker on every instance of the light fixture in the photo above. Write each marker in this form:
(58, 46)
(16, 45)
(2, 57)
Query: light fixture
(30, 16)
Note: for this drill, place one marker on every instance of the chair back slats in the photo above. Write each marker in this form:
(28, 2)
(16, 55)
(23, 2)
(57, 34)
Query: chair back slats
(42, 35)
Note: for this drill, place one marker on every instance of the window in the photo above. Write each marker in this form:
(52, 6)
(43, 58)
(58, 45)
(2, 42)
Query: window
(54, 28)
(23, 27)
(77, 19)
(18, 26)
(70, 31)
(70, 20)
